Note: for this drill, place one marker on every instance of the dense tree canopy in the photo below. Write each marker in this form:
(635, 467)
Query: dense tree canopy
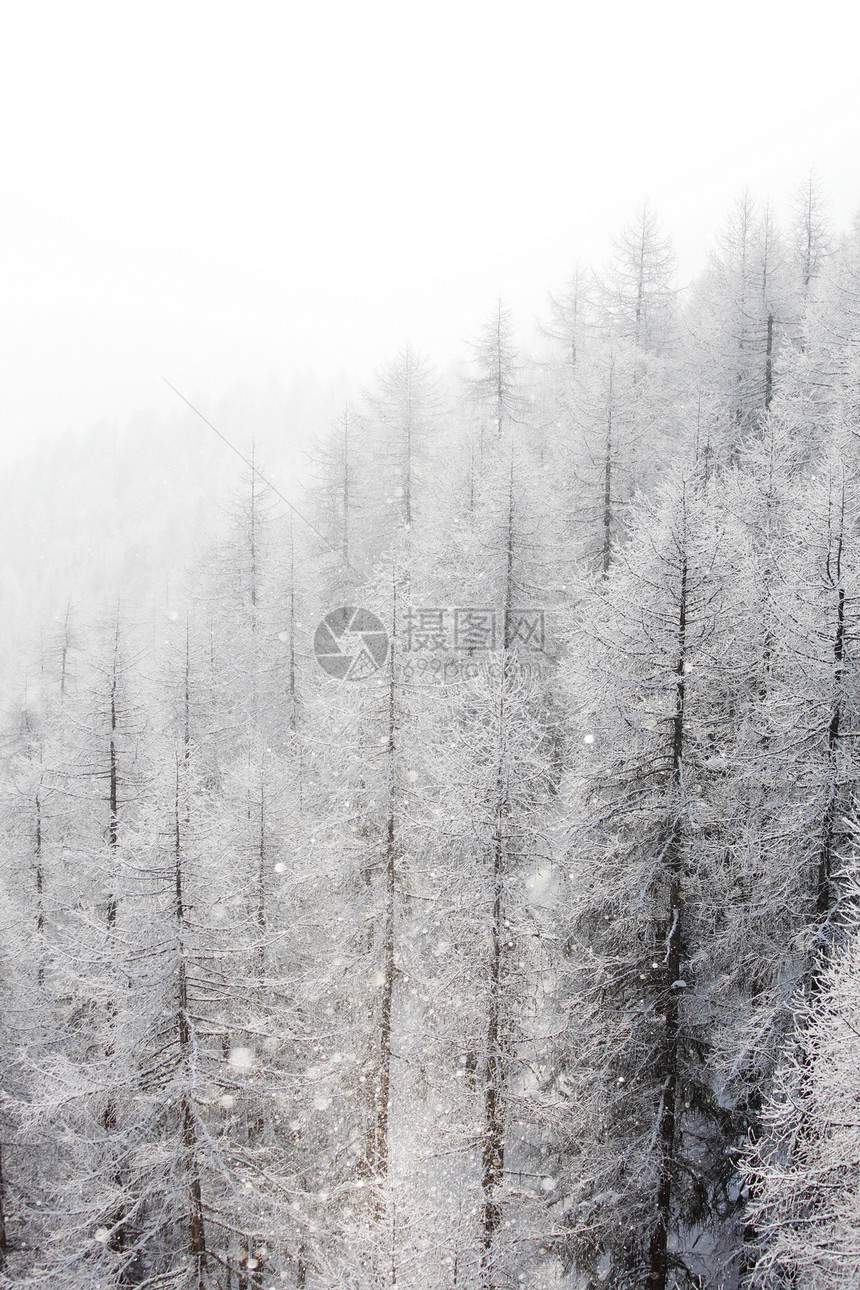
(452, 882)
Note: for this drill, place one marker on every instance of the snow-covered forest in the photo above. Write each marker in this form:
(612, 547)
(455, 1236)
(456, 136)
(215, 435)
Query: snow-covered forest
(450, 881)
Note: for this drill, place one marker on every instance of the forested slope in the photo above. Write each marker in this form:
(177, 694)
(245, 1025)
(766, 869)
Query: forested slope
(505, 932)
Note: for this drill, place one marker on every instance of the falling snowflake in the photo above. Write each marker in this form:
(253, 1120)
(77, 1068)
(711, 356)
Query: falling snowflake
(241, 1059)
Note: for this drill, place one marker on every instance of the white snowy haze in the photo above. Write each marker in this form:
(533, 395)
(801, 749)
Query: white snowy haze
(228, 194)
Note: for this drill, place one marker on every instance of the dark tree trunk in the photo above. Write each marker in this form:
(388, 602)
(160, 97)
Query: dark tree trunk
(493, 1146)
(825, 896)
(196, 1229)
(669, 1006)
(4, 1246)
(292, 680)
(768, 364)
(40, 908)
(382, 1089)
(110, 1112)
(261, 882)
(607, 481)
(495, 1071)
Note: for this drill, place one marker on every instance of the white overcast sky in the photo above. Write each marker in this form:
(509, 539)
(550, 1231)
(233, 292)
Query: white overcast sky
(222, 192)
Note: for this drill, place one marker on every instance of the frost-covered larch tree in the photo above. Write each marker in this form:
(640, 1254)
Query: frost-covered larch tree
(803, 1171)
(641, 1140)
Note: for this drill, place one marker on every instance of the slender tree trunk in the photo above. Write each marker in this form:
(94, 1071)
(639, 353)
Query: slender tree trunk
(658, 1266)
(110, 1111)
(768, 364)
(113, 795)
(607, 480)
(186, 709)
(292, 673)
(382, 1091)
(196, 1229)
(496, 1073)
(393, 1264)
(252, 538)
(261, 881)
(825, 896)
(669, 1005)
(64, 652)
(493, 1145)
(40, 907)
(4, 1245)
(110, 1116)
